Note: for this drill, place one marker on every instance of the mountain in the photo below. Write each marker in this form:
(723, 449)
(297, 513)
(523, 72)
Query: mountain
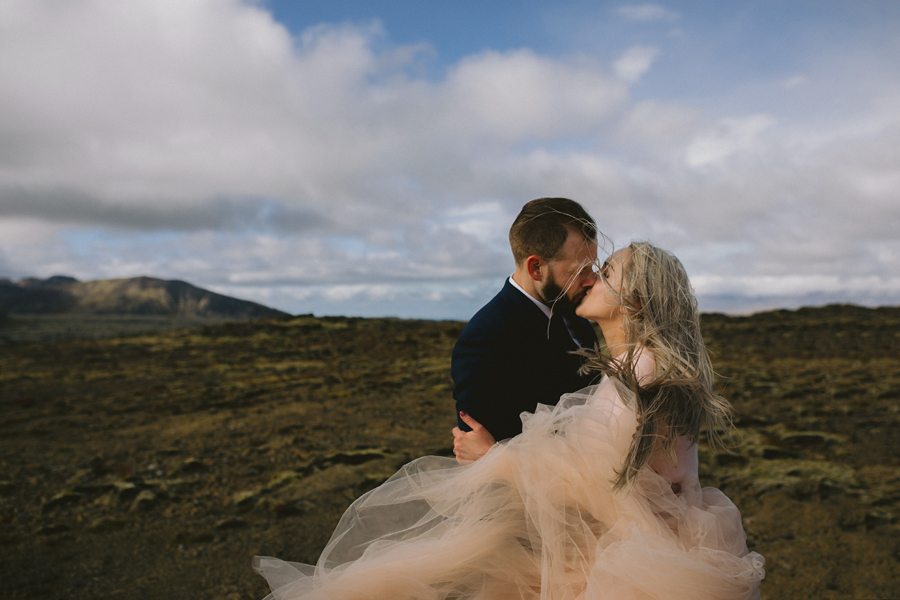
(144, 296)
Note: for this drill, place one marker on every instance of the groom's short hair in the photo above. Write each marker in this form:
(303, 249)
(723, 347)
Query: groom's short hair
(544, 224)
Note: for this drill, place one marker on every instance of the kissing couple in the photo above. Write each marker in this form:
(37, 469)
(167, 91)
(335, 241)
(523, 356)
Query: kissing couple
(593, 490)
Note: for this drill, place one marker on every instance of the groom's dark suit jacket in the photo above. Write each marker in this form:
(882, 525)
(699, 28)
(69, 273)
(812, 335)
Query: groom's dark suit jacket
(504, 363)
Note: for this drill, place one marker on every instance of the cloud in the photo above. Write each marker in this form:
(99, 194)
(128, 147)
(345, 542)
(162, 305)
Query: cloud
(199, 101)
(646, 12)
(321, 170)
(795, 81)
(76, 207)
(635, 62)
(658, 124)
(342, 293)
(518, 96)
(728, 137)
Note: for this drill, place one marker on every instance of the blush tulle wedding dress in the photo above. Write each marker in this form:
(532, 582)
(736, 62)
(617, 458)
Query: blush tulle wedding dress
(536, 518)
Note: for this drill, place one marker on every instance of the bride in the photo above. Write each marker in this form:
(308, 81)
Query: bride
(598, 498)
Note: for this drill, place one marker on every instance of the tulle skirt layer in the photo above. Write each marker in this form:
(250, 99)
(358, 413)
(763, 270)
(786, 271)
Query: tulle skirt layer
(535, 518)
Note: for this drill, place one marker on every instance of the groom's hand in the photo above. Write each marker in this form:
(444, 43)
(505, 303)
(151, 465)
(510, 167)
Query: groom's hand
(469, 446)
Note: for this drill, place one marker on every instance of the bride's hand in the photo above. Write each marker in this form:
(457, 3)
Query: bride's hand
(469, 446)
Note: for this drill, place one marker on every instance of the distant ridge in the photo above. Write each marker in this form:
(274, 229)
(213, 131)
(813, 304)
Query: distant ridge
(137, 296)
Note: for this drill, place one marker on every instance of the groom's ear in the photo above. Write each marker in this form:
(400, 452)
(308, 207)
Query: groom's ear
(533, 265)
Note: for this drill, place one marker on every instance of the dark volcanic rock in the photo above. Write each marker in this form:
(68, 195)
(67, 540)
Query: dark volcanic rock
(63, 498)
(193, 465)
(145, 500)
(231, 524)
(103, 524)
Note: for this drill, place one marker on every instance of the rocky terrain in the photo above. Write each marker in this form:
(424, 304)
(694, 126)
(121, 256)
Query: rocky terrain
(158, 465)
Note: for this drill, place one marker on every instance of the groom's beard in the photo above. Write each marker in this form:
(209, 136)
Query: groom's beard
(557, 300)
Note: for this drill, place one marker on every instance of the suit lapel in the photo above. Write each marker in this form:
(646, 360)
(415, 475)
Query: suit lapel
(559, 334)
(522, 306)
(583, 332)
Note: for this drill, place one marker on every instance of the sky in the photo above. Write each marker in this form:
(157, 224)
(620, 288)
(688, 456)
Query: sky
(366, 158)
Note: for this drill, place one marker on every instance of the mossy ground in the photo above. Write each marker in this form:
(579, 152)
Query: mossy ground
(157, 465)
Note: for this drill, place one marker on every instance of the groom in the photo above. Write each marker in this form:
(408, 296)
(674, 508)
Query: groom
(515, 352)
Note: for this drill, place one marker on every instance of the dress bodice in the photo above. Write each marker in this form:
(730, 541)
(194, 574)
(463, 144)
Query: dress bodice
(684, 471)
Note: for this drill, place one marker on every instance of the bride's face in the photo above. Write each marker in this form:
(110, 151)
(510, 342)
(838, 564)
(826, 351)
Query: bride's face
(601, 303)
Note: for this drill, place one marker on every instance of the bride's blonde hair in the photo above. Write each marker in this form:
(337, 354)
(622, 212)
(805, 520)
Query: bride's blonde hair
(661, 316)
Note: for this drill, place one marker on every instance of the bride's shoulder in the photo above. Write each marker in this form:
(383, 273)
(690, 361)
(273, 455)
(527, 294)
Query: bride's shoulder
(644, 364)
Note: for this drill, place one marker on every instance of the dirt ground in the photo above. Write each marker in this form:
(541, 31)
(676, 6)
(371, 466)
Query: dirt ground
(158, 465)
